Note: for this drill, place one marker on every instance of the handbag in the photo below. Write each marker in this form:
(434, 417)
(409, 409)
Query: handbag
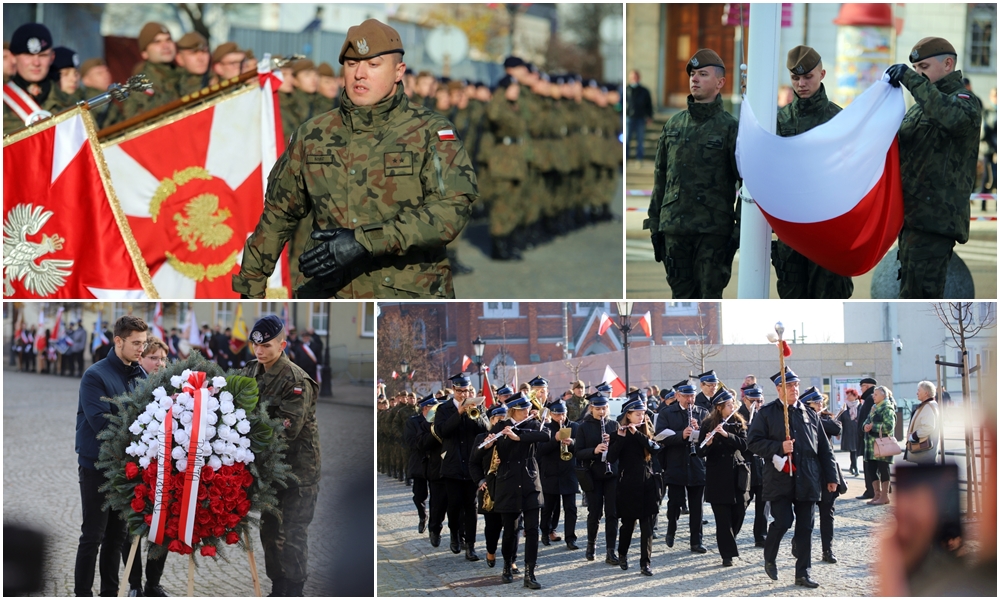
(886, 447)
(583, 476)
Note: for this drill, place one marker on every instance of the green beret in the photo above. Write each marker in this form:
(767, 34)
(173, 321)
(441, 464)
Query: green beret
(931, 46)
(370, 39)
(802, 59)
(705, 58)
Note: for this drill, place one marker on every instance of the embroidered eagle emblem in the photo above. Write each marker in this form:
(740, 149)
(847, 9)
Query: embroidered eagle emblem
(44, 277)
(361, 46)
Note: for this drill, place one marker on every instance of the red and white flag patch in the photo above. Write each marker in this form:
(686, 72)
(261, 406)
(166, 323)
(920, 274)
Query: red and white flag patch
(447, 135)
(297, 391)
(963, 96)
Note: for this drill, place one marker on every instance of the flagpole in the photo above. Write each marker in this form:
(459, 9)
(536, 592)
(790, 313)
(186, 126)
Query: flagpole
(754, 280)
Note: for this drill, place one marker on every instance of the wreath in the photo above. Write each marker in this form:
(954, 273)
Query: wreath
(189, 455)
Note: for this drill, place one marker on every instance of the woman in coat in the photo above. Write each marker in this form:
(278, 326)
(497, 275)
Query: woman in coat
(559, 481)
(518, 488)
(483, 472)
(723, 441)
(881, 422)
(848, 419)
(925, 427)
(817, 402)
(638, 493)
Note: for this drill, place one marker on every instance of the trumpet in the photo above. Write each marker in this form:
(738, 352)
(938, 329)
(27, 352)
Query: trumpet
(475, 412)
(564, 433)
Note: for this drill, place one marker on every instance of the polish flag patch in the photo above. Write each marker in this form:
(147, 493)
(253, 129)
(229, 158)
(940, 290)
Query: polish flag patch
(447, 135)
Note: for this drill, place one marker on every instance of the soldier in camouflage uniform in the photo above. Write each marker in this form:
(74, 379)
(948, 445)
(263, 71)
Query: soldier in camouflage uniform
(505, 155)
(31, 46)
(576, 405)
(692, 216)
(291, 396)
(385, 184)
(158, 52)
(95, 79)
(329, 89)
(938, 149)
(193, 59)
(799, 277)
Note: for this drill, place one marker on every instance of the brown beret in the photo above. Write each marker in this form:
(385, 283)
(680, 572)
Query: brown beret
(931, 46)
(370, 39)
(302, 65)
(325, 70)
(149, 31)
(223, 49)
(89, 64)
(454, 85)
(249, 53)
(192, 41)
(705, 58)
(802, 59)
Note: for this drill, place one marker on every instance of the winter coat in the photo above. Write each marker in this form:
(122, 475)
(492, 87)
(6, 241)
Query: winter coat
(479, 466)
(518, 485)
(679, 466)
(756, 462)
(457, 433)
(638, 492)
(849, 437)
(831, 428)
(727, 479)
(925, 423)
(588, 437)
(558, 475)
(882, 418)
(867, 402)
(416, 428)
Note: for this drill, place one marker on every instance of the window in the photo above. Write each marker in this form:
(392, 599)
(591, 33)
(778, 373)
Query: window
(500, 310)
(366, 322)
(270, 308)
(319, 316)
(675, 340)
(981, 38)
(583, 309)
(681, 309)
(224, 313)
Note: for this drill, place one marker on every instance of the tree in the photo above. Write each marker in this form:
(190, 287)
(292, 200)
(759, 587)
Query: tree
(576, 367)
(398, 341)
(698, 348)
(583, 23)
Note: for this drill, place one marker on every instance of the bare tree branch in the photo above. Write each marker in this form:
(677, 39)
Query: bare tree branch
(698, 349)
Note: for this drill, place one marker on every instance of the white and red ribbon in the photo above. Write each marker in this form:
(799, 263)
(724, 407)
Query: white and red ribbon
(165, 437)
(21, 103)
(196, 386)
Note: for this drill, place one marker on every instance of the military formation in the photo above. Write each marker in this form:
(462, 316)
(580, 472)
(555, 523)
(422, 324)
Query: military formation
(520, 457)
(694, 219)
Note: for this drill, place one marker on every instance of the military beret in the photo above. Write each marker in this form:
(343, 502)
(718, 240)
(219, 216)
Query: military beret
(598, 399)
(790, 377)
(266, 329)
(811, 395)
(505, 82)
(497, 409)
(302, 65)
(370, 39)
(222, 50)
(512, 61)
(455, 86)
(709, 377)
(636, 403)
(193, 40)
(591, 83)
(65, 58)
(539, 382)
(722, 396)
(149, 31)
(30, 38)
(531, 67)
(408, 71)
(560, 79)
(518, 400)
(249, 53)
(461, 380)
(90, 63)
(705, 58)
(558, 407)
(869, 380)
(326, 70)
(930, 46)
(802, 59)
(684, 387)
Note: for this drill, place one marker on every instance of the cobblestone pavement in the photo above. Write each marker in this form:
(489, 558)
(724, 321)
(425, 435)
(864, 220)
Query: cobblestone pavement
(408, 565)
(40, 490)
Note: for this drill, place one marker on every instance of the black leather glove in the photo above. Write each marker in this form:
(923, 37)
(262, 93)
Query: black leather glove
(895, 73)
(659, 242)
(320, 288)
(338, 253)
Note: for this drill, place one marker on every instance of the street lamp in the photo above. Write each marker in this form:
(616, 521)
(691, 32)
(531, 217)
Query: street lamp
(404, 368)
(625, 326)
(478, 347)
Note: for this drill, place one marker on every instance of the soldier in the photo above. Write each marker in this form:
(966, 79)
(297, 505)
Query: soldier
(305, 79)
(158, 51)
(683, 469)
(709, 385)
(227, 61)
(692, 216)
(424, 89)
(938, 149)
(193, 59)
(504, 154)
(29, 94)
(577, 403)
(290, 119)
(329, 88)
(382, 218)
(799, 277)
(63, 71)
(291, 395)
(417, 429)
(95, 78)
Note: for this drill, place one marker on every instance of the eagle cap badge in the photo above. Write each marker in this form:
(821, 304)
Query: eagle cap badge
(34, 46)
(914, 54)
(694, 61)
(361, 46)
(257, 337)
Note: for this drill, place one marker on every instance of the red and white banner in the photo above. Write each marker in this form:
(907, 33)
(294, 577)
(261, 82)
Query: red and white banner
(63, 233)
(646, 323)
(604, 324)
(157, 328)
(165, 438)
(466, 361)
(617, 385)
(196, 386)
(834, 192)
(193, 190)
(487, 389)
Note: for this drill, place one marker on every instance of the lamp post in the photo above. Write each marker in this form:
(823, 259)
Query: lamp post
(404, 368)
(478, 347)
(625, 326)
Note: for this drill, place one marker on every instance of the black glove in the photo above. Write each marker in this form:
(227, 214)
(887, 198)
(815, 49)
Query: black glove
(659, 242)
(338, 253)
(895, 73)
(320, 288)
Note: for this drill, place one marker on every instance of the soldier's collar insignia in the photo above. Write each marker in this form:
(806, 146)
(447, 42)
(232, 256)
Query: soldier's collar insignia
(694, 61)
(914, 54)
(257, 337)
(361, 46)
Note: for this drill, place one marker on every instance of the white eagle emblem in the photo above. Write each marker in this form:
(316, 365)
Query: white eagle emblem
(914, 54)
(19, 255)
(694, 61)
(361, 46)
(257, 337)
(34, 46)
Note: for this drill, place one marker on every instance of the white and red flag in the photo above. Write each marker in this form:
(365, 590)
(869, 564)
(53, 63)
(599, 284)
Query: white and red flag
(487, 389)
(604, 324)
(466, 361)
(64, 235)
(646, 323)
(617, 385)
(158, 321)
(850, 213)
(192, 187)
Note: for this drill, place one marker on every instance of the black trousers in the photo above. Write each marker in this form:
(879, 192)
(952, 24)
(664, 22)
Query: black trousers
(494, 523)
(509, 548)
(728, 522)
(804, 514)
(879, 470)
(854, 460)
(869, 473)
(601, 501)
(462, 518)
(101, 536)
(154, 566)
(759, 518)
(550, 515)
(675, 499)
(826, 511)
(420, 495)
(438, 505)
(645, 539)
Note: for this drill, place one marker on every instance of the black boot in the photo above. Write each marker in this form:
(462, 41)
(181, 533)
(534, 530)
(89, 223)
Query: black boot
(506, 576)
(611, 558)
(435, 538)
(278, 587)
(294, 588)
(623, 561)
(529, 578)
(591, 549)
(470, 554)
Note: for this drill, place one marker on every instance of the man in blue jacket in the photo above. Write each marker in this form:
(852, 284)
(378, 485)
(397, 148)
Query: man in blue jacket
(103, 529)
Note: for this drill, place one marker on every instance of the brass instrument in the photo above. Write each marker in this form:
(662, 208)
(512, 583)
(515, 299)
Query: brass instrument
(494, 465)
(475, 412)
(430, 414)
(564, 433)
(533, 398)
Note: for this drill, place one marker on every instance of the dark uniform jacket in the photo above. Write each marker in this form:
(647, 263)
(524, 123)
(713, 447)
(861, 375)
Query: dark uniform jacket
(832, 428)
(103, 380)
(417, 428)
(588, 438)
(638, 493)
(679, 467)
(728, 474)
(756, 462)
(518, 486)
(938, 150)
(558, 475)
(812, 455)
(479, 466)
(164, 78)
(867, 402)
(457, 433)
(804, 114)
(703, 401)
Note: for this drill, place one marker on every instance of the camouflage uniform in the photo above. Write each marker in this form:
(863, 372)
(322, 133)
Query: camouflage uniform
(576, 408)
(188, 83)
(290, 117)
(55, 101)
(799, 277)
(106, 115)
(694, 192)
(291, 395)
(164, 78)
(506, 162)
(383, 171)
(938, 149)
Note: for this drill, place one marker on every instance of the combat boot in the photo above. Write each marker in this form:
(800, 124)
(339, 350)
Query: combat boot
(506, 576)
(529, 578)
(294, 588)
(278, 588)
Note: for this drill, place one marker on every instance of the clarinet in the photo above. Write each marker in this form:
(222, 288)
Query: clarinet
(604, 455)
(693, 439)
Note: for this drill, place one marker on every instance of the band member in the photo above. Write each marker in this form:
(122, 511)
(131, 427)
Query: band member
(723, 441)
(709, 385)
(752, 399)
(457, 431)
(430, 444)
(633, 448)
(558, 469)
(795, 486)
(817, 402)
(483, 469)
(416, 429)
(601, 482)
(518, 488)
(683, 469)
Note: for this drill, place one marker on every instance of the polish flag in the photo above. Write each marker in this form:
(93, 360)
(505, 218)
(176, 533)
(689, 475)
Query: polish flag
(646, 323)
(605, 323)
(487, 390)
(466, 361)
(158, 321)
(394, 375)
(616, 383)
(851, 211)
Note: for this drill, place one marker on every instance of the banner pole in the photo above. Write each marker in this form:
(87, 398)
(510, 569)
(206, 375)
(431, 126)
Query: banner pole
(253, 565)
(190, 575)
(123, 588)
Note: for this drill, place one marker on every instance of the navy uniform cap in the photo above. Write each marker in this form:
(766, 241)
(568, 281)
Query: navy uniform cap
(598, 399)
(790, 377)
(603, 387)
(721, 397)
(709, 377)
(518, 400)
(266, 329)
(684, 387)
(30, 38)
(461, 380)
(430, 400)
(634, 404)
(512, 61)
(497, 409)
(505, 390)
(753, 392)
(811, 395)
(637, 394)
(558, 408)
(666, 394)
(539, 382)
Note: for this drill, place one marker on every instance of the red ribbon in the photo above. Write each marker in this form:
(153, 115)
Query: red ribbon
(199, 422)
(166, 439)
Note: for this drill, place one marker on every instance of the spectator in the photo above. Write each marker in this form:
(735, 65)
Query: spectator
(848, 417)
(880, 423)
(638, 113)
(925, 423)
(989, 146)
(867, 387)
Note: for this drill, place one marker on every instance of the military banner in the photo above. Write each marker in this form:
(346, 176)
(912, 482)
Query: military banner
(192, 186)
(64, 234)
(834, 192)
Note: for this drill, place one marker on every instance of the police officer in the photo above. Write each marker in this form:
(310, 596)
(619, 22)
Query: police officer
(382, 217)
(938, 149)
(709, 385)
(799, 277)
(30, 94)
(692, 214)
(291, 395)
(683, 469)
(418, 428)
(158, 52)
